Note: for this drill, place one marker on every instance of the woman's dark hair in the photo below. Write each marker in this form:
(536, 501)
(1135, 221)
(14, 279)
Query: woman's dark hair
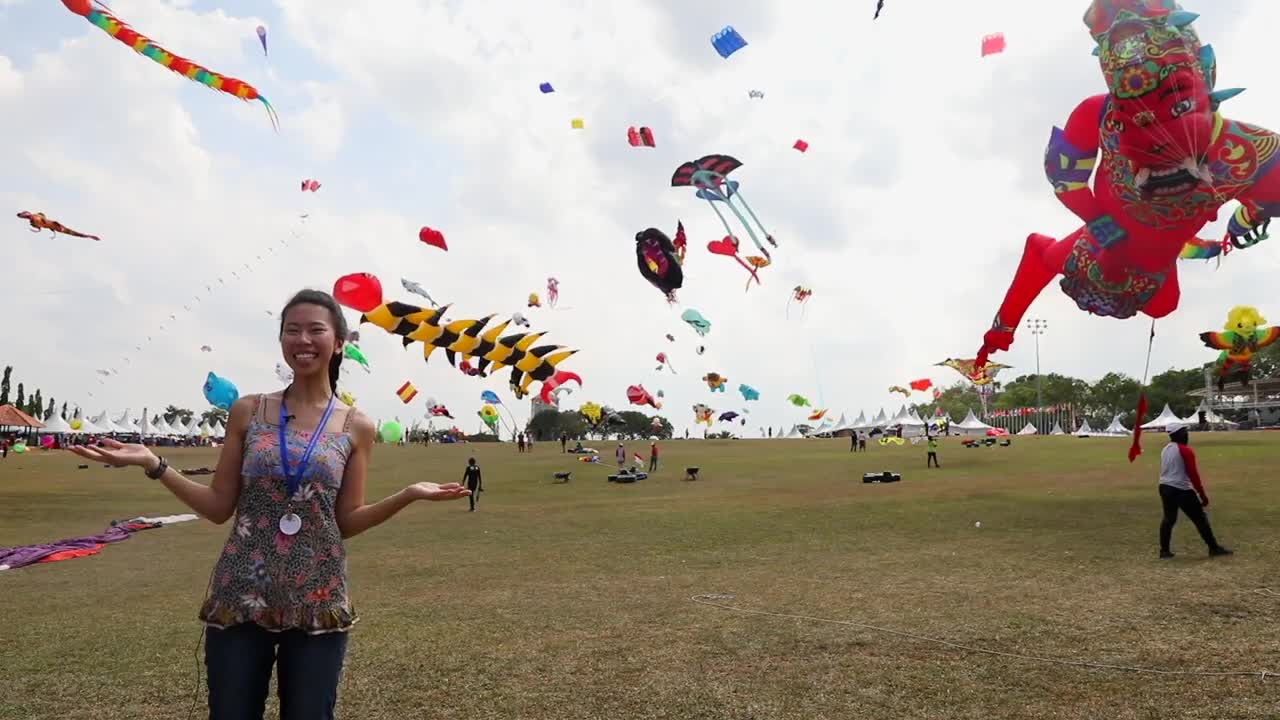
(471, 461)
(326, 301)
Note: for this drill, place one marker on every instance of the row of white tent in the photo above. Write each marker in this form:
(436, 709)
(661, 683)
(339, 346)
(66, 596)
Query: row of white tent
(126, 425)
(1166, 418)
(912, 425)
(907, 419)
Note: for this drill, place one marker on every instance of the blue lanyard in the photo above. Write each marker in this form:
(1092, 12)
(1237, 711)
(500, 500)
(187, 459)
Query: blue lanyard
(293, 480)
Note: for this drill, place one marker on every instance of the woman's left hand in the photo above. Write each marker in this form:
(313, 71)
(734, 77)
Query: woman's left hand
(433, 491)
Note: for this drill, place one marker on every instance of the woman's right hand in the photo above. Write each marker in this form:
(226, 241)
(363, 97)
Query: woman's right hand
(118, 454)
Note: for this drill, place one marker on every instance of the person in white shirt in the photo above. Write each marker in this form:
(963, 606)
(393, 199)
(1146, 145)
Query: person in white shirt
(1181, 489)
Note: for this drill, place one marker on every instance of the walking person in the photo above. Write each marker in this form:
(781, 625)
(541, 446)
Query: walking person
(1182, 489)
(520, 443)
(564, 442)
(653, 456)
(471, 478)
(292, 471)
(932, 460)
(621, 456)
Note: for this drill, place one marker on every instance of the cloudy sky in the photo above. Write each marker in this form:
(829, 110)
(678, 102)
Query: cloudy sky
(906, 216)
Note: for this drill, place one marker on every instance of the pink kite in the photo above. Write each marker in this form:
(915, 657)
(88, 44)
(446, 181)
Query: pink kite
(801, 145)
(553, 291)
(310, 185)
(993, 44)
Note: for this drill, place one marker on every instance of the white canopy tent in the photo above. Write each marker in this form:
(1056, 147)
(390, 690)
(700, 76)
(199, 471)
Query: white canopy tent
(860, 423)
(1116, 428)
(107, 427)
(1057, 429)
(823, 429)
(87, 427)
(794, 433)
(971, 425)
(160, 427)
(57, 425)
(1028, 429)
(1085, 429)
(1165, 418)
(1213, 418)
(880, 420)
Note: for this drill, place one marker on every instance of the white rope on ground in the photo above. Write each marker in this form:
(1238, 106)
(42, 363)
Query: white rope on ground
(1267, 591)
(709, 601)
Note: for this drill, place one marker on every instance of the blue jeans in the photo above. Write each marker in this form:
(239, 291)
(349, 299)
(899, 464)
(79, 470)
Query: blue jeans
(239, 661)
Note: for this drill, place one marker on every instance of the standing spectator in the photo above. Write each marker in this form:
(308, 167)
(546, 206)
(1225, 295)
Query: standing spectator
(471, 478)
(1181, 489)
(653, 456)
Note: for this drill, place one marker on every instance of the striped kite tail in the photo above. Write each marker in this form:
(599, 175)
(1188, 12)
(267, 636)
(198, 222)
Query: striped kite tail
(143, 45)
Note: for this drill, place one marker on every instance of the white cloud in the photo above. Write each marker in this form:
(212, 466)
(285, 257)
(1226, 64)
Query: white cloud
(906, 216)
(10, 78)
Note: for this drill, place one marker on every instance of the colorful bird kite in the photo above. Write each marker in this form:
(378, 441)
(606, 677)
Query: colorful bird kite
(984, 376)
(1241, 338)
(142, 45)
(39, 222)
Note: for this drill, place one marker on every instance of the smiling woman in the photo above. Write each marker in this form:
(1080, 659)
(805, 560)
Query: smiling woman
(278, 593)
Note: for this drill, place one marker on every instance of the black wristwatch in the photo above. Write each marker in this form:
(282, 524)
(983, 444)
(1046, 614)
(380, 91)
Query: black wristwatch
(159, 471)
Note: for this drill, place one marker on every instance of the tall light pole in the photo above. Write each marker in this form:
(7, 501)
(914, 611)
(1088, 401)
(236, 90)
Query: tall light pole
(1038, 327)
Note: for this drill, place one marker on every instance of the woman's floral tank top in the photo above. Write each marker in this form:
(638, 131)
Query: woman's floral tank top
(284, 582)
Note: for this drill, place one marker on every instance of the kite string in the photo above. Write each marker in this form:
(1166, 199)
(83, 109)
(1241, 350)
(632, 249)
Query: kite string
(708, 600)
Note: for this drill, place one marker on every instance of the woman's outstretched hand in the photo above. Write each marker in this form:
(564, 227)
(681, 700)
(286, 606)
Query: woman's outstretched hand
(117, 454)
(432, 491)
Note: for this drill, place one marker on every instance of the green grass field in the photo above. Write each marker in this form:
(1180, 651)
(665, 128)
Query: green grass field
(573, 600)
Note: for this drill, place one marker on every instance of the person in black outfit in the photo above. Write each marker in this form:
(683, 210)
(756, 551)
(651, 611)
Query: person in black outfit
(471, 478)
(564, 441)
